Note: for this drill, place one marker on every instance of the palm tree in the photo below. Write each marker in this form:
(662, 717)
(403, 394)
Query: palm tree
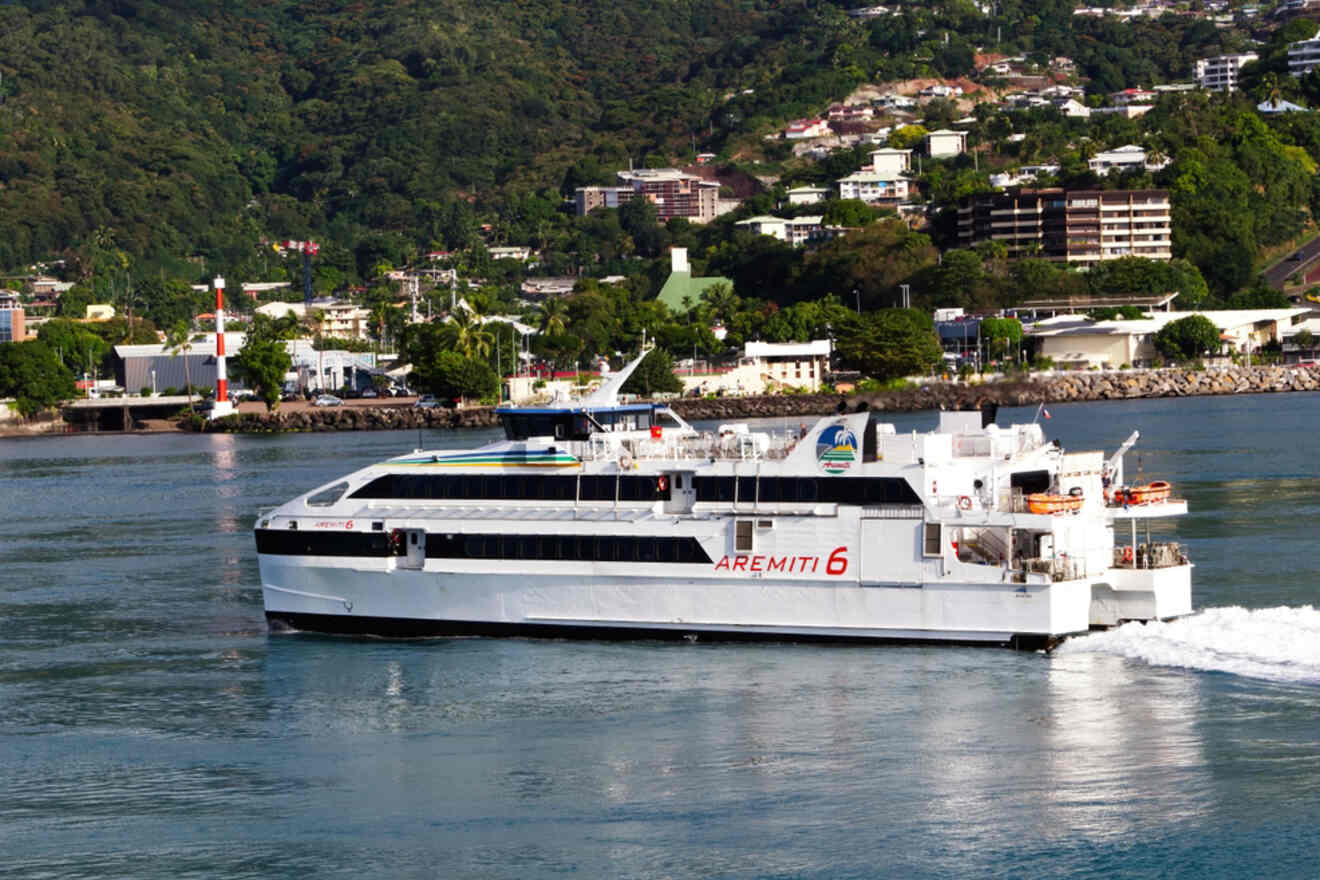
(721, 301)
(179, 339)
(468, 334)
(554, 316)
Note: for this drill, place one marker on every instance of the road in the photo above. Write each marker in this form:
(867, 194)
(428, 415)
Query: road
(1276, 275)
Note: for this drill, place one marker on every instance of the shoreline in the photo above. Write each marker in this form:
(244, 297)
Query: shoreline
(1059, 388)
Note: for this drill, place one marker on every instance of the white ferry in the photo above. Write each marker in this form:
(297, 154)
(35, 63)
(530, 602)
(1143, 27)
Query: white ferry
(597, 519)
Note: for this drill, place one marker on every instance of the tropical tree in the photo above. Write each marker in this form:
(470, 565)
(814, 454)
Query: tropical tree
(448, 374)
(31, 373)
(467, 333)
(891, 343)
(1187, 338)
(554, 316)
(262, 363)
(654, 375)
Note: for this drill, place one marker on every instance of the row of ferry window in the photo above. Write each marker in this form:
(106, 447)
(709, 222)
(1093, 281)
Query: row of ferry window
(579, 548)
(545, 487)
(514, 487)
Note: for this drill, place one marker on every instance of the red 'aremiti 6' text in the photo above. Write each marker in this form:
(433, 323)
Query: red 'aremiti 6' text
(834, 564)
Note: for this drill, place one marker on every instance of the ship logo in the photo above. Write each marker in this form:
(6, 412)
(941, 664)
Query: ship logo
(836, 449)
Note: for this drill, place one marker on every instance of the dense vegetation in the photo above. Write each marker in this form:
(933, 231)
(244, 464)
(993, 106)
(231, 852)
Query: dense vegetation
(152, 145)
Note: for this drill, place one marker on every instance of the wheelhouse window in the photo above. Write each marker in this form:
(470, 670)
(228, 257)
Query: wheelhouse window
(327, 496)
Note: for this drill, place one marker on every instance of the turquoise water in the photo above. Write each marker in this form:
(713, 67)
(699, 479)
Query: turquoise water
(150, 727)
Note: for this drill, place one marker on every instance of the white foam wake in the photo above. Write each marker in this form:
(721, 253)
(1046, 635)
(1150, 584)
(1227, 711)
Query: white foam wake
(1279, 644)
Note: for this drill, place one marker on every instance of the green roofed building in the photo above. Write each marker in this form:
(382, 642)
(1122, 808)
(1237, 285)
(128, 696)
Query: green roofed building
(682, 285)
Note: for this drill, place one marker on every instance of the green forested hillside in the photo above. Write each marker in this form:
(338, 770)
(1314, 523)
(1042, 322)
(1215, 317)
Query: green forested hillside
(186, 127)
(172, 129)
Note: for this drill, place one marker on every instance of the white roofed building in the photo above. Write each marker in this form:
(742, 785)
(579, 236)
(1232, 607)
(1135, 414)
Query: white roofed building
(791, 364)
(796, 231)
(1074, 340)
(807, 195)
(873, 188)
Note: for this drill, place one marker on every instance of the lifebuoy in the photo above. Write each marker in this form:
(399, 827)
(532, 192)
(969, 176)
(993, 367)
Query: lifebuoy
(1127, 554)
(625, 460)
(661, 483)
(964, 503)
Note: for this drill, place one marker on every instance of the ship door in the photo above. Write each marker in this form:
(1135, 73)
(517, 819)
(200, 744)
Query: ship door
(414, 549)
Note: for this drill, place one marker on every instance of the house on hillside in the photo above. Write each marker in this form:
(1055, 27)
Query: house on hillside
(808, 195)
(946, 142)
(1126, 158)
(801, 129)
(891, 163)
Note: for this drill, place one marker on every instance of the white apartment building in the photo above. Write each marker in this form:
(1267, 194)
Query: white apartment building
(946, 142)
(1220, 74)
(796, 231)
(873, 188)
(1304, 55)
(891, 162)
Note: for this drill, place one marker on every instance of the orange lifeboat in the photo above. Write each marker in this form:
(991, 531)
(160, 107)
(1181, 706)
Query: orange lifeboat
(1041, 502)
(1154, 492)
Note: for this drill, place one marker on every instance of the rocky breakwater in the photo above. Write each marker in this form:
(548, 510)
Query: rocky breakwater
(356, 418)
(1088, 386)
(1181, 383)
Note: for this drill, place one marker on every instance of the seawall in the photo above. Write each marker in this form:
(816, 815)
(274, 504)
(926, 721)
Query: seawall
(1058, 388)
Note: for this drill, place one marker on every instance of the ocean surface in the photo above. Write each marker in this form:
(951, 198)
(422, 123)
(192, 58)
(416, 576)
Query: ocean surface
(151, 727)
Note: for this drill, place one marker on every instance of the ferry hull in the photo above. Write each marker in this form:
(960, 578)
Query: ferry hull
(332, 597)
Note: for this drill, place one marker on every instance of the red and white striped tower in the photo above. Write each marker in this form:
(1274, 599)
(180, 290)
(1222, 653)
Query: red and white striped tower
(222, 405)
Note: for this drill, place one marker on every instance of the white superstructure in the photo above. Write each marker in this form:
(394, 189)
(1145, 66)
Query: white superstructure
(601, 520)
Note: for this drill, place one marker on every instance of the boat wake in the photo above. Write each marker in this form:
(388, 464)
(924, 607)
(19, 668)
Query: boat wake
(1277, 644)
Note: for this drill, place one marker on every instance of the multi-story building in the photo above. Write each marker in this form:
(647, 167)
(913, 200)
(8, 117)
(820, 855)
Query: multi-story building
(797, 231)
(674, 193)
(1304, 55)
(589, 198)
(1079, 227)
(891, 162)
(873, 188)
(11, 318)
(1220, 74)
(946, 142)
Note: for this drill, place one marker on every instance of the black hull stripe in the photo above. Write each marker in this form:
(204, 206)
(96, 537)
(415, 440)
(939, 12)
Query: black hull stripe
(411, 628)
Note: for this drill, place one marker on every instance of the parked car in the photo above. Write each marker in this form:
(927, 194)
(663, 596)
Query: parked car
(327, 400)
(370, 392)
(427, 401)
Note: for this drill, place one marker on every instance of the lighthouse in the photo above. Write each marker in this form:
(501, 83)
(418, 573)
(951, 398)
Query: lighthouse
(222, 405)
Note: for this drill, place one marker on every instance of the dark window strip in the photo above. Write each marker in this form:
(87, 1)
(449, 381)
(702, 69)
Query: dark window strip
(580, 548)
(513, 487)
(806, 490)
(550, 487)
